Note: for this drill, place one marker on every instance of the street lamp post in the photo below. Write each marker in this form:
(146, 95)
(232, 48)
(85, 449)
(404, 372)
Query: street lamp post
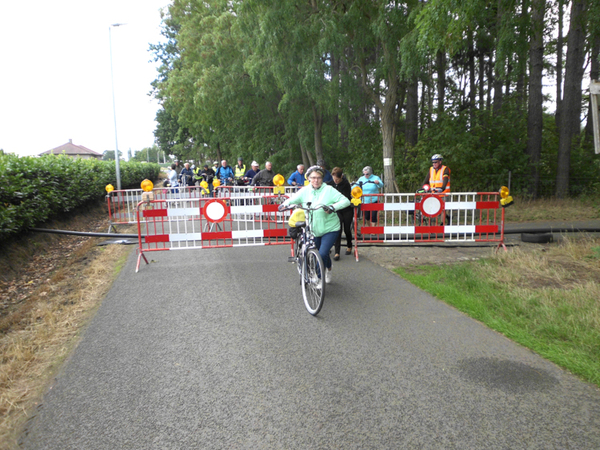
(117, 168)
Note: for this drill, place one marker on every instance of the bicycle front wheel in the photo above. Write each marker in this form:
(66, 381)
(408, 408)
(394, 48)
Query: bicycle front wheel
(313, 282)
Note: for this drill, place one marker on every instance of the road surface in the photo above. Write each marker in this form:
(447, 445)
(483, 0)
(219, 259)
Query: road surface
(213, 349)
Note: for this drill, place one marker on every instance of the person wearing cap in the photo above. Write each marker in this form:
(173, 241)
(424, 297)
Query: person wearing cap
(297, 178)
(327, 178)
(264, 177)
(254, 169)
(215, 166)
(240, 170)
(438, 176)
(370, 184)
(208, 175)
(325, 223)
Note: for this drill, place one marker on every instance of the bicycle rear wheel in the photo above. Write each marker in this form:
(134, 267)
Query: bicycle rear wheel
(313, 282)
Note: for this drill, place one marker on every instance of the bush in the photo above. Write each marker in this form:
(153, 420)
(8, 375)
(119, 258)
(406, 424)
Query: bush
(32, 190)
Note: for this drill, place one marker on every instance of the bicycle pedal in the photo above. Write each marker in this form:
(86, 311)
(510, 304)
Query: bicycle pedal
(291, 259)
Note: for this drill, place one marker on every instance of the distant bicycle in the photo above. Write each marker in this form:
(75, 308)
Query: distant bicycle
(308, 261)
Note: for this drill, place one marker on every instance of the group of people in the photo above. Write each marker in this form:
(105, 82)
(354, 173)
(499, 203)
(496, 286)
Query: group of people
(331, 189)
(227, 176)
(336, 195)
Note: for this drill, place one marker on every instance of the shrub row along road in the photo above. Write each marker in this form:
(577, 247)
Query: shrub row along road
(214, 349)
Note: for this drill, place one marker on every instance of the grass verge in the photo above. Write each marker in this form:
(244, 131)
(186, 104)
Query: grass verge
(49, 323)
(548, 301)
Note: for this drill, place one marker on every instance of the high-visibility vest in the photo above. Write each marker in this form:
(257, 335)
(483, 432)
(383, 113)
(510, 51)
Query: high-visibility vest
(436, 179)
(240, 171)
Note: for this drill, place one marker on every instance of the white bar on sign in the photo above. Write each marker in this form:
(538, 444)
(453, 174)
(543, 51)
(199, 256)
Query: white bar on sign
(247, 234)
(246, 209)
(174, 212)
(185, 237)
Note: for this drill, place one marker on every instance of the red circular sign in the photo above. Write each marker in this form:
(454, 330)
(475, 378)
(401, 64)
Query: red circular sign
(215, 210)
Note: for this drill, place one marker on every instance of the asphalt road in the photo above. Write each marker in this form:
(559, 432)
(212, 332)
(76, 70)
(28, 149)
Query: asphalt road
(213, 349)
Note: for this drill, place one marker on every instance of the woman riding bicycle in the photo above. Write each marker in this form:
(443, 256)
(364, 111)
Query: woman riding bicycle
(325, 223)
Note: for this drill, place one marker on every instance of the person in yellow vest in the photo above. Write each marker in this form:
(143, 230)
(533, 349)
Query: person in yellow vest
(239, 172)
(438, 177)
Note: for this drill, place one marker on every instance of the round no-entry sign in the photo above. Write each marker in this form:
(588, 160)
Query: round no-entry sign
(215, 210)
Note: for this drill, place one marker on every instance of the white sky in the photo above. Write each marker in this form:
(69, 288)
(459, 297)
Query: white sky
(55, 74)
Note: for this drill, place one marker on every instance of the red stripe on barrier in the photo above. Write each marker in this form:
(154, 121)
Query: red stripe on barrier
(270, 208)
(371, 230)
(486, 229)
(371, 207)
(429, 230)
(214, 235)
(154, 213)
(157, 238)
(487, 205)
(276, 232)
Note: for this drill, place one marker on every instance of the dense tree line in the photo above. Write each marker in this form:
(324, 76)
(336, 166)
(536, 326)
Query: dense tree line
(386, 84)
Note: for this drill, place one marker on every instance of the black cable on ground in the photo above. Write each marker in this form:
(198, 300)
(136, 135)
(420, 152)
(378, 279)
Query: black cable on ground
(83, 233)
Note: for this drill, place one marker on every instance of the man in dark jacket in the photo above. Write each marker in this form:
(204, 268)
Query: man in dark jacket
(264, 177)
(346, 215)
(186, 177)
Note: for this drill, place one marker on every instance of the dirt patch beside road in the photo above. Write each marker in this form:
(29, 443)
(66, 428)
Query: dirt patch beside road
(392, 256)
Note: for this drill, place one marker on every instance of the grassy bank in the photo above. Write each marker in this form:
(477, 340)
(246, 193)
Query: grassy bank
(548, 301)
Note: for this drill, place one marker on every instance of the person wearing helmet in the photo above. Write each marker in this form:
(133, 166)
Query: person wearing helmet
(438, 176)
(371, 184)
(325, 225)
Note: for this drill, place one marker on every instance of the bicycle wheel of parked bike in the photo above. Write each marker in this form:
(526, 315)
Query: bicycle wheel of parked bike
(313, 282)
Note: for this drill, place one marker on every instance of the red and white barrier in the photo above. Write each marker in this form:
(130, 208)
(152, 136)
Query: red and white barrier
(210, 223)
(421, 218)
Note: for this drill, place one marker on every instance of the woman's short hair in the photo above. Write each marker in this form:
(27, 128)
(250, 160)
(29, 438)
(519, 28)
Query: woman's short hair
(173, 166)
(337, 172)
(368, 169)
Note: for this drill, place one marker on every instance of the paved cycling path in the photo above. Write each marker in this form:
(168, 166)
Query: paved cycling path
(213, 349)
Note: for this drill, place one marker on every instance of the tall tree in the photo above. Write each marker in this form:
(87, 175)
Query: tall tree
(570, 121)
(536, 97)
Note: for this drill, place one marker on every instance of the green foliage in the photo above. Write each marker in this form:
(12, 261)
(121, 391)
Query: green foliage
(32, 190)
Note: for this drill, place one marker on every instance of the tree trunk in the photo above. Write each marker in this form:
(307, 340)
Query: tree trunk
(571, 108)
(594, 75)
(318, 123)
(441, 81)
(412, 113)
(536, 98)
(559, 64)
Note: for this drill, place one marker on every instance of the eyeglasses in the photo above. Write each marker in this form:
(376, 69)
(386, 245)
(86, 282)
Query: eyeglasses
(315, 178)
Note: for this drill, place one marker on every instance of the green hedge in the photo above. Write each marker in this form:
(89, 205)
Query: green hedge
(32, 190)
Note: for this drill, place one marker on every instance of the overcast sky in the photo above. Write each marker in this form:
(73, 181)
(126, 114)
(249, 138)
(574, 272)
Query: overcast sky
(55, 76)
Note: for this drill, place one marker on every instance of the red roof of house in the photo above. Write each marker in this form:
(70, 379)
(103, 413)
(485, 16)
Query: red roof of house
(71, 149)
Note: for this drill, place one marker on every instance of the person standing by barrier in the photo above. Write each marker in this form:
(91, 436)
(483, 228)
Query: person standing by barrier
(327, 178)
(264, 177)
(325, 225)
(254, 169)
(225, 173)
(297, 178)
(438, 176)
(172, 177)
(370, 184)
(186, 176)
(208, 175)
(239, 171)
(346, 215)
